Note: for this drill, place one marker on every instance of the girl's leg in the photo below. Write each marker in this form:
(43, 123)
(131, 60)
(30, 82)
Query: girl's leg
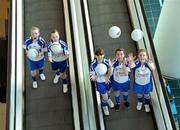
(125, 96)
(140, 101)
(33, 74)
(41, 74)
(108, 91)
(56, 78)
(40, 65)
(64, 79)
(147, 102)
(104, 103)
(117, 98)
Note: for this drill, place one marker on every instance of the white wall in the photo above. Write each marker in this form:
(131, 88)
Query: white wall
(167, 38)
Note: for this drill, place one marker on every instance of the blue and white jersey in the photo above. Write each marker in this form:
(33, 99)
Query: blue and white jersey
(99, 69)
(61, 55)
(118, 72)
(39, 45)
(142, 73)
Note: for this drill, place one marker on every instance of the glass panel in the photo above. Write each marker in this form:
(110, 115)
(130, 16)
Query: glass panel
(161, 17)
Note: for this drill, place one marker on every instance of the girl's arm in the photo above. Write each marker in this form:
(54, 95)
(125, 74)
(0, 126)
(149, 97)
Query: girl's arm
(93, 76)
(109, 74)
(109, 69)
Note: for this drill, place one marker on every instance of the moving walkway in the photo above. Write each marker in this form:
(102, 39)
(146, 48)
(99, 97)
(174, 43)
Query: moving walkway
(82, 109)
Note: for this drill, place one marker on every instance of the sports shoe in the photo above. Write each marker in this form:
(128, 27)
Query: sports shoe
(105, 110)
(56, 79)
(65, 88)
(147, 108)
(110, 103)
(117, 106)
(127, 104)
(139, 106)
(35, 84)
(42, 76)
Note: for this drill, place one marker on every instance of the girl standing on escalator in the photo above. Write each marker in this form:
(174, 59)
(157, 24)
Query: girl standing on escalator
(143, 79)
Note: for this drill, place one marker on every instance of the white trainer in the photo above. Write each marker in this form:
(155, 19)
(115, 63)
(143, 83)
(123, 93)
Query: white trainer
(147, 108)
(42, 76)
(139, 106)
(56, 79)
(106, 110)
(110, 103)
(35, 84)
(65, 88)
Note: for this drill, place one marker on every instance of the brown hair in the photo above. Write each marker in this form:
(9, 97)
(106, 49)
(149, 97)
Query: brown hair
(99, 51)
(54, 31)
(143, 50)
(119, 49)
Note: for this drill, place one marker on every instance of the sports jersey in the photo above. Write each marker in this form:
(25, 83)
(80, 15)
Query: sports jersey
(39, 45)
(118, 72)
(143, 78)
(61, 55)
(120, 81)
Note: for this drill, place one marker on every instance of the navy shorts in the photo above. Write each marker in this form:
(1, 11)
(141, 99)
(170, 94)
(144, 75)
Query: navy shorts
(59, 65)
(143, 89)
(123, 87)
(102, 88)
(35, 65)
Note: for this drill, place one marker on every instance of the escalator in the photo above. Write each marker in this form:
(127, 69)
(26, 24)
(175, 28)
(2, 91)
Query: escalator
(46, 108)
(103, 15)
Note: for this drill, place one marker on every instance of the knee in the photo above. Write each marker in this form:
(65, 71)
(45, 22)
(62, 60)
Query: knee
(33, 73)
(64, 75)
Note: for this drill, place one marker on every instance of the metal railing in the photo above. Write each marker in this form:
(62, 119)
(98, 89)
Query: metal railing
(15, 72)
(87, 103)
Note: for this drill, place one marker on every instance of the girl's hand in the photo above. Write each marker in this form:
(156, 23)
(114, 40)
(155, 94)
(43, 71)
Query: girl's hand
(147, 61)
(50, 59)
(40, 54)
(93, 77)
(110, 63)
(150, 64)
(124, 61)
(66, 56)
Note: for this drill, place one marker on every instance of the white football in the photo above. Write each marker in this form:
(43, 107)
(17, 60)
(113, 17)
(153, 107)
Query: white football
(32, 53)
(101, 69)
(137, 35)
(56, 48)
(114, 32)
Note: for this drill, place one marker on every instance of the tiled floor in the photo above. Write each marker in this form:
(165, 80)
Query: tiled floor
(2, 116)
(152, 10)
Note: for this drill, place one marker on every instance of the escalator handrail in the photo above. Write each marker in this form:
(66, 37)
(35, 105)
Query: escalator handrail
(72, 73)
(11, 68)
(15, 76)
(19, 65)
(87, 103)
